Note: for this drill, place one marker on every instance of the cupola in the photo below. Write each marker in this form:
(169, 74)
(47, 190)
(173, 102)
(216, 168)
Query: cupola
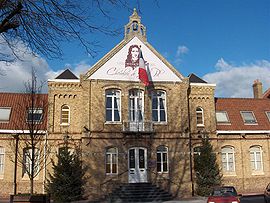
(134, 27)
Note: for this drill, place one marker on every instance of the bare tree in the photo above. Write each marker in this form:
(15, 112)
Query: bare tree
(43, 24)
(31, 149)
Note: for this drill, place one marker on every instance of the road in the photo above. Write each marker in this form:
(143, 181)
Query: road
(252, 199)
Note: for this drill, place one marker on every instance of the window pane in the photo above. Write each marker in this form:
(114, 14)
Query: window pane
(155, 115)
(116, 115)
(164, 157)
(108, 115)
(108, 168)
(154, 103)
(114, 168)
(161, 103)
(141, 159)
(132, 158)
(162, 115)
(158, 157)
(165, 167)
(108, 102)
(158, 167)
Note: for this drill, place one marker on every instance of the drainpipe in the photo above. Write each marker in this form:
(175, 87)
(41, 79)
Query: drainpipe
(45, 160)
(190, 143)
(16, 136)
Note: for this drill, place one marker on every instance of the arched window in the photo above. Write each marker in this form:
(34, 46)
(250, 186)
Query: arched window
(65, 115)
(113, 105)
(159, 106)
(27, 161)
(256, 158)
(162, 159)
(136, 105)
(2, 160)
(227, 158)
(111, 160)
(199, 116)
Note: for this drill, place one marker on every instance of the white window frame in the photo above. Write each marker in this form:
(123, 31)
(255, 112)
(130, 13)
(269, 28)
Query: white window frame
(5, 109)
(2, 161)
(137, 96)
(228, 151)
(268, 115)
(162, 97)
(253, 153)
(166, 153)
(27, 154)
(65, 110)
(110, 160)
(35, 111)
(227, 121)
(117, 97)
(245, 121)
(199, 110)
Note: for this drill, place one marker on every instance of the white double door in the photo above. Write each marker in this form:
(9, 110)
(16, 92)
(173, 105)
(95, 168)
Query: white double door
(137, 163)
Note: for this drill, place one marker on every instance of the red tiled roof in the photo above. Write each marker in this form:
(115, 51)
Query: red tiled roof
(233, 106)
(19, 104)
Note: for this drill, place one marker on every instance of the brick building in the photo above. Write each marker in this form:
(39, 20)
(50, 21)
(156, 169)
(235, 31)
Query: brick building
(129, 133)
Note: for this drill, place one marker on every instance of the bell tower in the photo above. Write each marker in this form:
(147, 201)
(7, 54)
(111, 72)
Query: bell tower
(134, 27)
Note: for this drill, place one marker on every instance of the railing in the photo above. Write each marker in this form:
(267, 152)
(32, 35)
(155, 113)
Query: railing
(139, 126)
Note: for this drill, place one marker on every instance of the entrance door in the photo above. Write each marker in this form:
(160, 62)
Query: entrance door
(137, 163)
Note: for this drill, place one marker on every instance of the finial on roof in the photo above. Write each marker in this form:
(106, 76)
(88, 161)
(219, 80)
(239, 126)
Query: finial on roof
(134, 27)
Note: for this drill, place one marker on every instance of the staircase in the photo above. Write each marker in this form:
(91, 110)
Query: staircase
(138, 192)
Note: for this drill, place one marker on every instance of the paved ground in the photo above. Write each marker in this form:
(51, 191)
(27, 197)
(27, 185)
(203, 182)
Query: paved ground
(244, 199)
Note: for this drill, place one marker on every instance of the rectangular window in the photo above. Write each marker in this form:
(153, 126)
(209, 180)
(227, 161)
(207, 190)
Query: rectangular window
(27, 161)
(113, 105)
(2, 159)
(136, 106)
(222, 117)
(111, 161)
(159, 106)
(35, 115)
(248, 117)
(162, 159)
(5, 114)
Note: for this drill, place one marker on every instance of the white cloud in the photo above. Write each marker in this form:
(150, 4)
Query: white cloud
(16, 73)
(237, 81)
(181, 50)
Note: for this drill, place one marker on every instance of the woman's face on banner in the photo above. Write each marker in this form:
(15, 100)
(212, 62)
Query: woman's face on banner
(135, 53)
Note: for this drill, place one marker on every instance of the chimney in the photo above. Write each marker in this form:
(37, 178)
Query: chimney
(257, 89)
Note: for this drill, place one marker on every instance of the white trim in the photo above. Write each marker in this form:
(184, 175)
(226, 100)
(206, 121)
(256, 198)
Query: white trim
(21, 131)
(63, 80)
(203, 84)
(242, 131)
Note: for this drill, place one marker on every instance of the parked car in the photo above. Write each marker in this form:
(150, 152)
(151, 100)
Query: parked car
(267, 194)
(225, 194)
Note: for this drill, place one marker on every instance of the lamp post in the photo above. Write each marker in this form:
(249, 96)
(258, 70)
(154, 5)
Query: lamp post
(16, 137)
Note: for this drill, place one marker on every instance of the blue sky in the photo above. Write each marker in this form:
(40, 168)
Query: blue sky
(226, 42)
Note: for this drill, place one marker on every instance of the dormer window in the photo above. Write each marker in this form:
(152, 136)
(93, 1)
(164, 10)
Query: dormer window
(222, 117)
(35, 115)
(248, 117)
(5, 114)
(268, 115)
